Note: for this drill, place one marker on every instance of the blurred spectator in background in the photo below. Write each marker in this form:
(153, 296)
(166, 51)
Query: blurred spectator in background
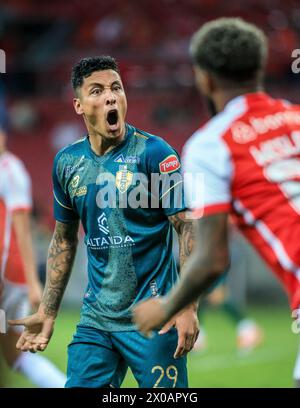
(21, 286)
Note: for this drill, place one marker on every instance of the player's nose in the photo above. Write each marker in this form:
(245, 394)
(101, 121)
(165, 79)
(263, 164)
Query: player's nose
(110, 98)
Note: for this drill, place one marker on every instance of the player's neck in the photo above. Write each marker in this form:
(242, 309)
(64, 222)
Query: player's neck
(102, 145)
(223, 97)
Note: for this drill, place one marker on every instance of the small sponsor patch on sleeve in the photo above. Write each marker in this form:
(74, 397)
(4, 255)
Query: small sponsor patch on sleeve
(169, 164)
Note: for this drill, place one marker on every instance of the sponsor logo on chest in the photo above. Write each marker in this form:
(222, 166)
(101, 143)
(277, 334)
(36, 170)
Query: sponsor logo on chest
(107, 240)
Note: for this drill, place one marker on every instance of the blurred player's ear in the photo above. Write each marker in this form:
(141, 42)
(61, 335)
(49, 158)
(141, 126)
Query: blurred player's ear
(77, 106)
(204, 81)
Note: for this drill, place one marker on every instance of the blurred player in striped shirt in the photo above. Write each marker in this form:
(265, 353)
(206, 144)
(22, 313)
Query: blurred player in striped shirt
(249, 156)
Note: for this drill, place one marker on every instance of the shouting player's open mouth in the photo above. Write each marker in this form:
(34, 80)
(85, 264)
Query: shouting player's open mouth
(112, 119)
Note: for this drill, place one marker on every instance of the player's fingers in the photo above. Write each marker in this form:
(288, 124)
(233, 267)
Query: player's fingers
(189, 343)
(20, 342)
(166, 328)
(179, 352)
(180, 347)
(18, 322)
(41, 347)
(26, 346)
(195, 337)
(34, 348)
(186, 345)
(40, 339)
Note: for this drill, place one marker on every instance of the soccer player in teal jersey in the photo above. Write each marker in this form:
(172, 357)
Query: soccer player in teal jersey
(126, 188)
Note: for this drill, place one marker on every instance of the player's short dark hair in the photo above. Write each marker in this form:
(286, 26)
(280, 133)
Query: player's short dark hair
(85, 67)
(230, 48)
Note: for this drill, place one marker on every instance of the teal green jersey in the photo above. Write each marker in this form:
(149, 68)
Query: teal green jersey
(123, 200)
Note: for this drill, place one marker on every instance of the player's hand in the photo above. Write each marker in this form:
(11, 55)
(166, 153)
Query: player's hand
(35, 292)
(187, 325)
(37, 333)
(149, 315)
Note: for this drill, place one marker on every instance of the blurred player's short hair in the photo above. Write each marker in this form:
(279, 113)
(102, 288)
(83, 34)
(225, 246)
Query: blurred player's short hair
(85, 67)
(230, 48)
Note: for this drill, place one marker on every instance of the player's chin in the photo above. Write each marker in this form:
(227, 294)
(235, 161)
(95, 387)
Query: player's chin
(115, 130)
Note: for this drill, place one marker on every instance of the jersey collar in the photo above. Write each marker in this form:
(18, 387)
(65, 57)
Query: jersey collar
(128, 132)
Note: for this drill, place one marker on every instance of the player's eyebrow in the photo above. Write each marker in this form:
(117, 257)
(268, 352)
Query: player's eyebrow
(95, 84)
(116, 82)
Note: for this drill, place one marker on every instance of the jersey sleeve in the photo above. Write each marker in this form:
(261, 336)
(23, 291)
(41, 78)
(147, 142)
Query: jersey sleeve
(207, 175)
(166, 177)
(63, 210)
(18, 192)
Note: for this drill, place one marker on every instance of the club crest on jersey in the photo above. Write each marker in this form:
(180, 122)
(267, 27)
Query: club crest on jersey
(123, 179)
(171, 163)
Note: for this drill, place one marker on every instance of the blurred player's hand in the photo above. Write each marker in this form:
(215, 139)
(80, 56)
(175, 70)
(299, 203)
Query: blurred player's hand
(35, 292)
(149, 315)
(37, 333)
(187, 326)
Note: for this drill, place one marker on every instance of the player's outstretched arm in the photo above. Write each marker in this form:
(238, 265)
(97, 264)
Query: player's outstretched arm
(61, 255)
(207, 263)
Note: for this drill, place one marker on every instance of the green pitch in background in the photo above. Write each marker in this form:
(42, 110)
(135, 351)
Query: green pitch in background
(220, 365)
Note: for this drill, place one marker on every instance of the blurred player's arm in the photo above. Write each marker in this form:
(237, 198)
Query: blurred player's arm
(39, 327)
(22, 228)
(184, 227)
(208, 262)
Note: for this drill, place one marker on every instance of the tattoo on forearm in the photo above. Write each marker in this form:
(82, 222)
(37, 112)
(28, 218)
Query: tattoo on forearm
(186, 242)
(184, 228)
(61, 256)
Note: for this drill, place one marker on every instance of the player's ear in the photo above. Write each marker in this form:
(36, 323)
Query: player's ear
(77, 106)
(204, 81)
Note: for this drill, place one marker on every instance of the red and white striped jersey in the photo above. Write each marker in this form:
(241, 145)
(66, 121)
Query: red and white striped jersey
(15, 194)
(249, 159)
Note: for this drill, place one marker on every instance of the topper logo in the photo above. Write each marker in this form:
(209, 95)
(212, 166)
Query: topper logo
(171, 163)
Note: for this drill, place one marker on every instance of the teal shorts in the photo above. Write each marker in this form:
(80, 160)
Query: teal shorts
(99, 359)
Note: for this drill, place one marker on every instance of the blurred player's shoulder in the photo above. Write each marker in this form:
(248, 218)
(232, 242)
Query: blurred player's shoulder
(215, 129)
(8, 158)
(12, 163)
